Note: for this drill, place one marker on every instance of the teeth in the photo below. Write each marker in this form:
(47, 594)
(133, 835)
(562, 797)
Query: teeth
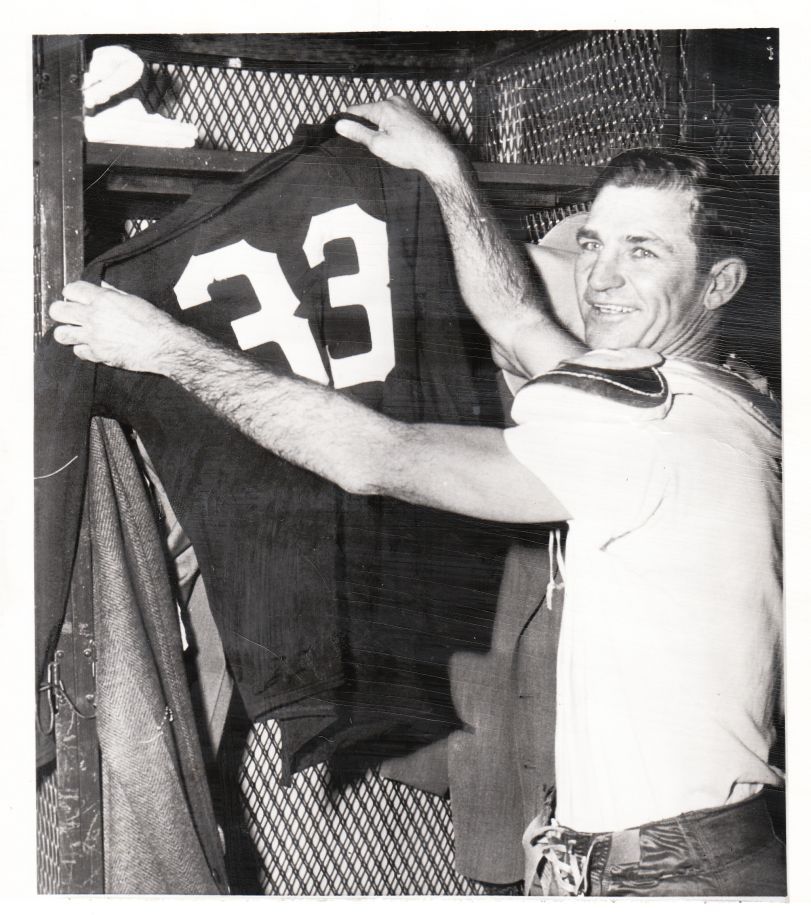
(613, 309)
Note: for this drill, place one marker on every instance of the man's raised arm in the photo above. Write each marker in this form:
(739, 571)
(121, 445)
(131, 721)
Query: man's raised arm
(495, 279)
(457, 468)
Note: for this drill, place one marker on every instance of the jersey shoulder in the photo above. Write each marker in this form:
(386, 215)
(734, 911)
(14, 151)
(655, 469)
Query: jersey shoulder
(603, 385)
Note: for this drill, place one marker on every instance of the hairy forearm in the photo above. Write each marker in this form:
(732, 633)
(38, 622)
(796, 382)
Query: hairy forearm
(498, 286)
(303, 422)
(456, 468)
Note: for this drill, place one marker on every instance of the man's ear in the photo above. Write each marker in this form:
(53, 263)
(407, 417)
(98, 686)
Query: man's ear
(725, 278)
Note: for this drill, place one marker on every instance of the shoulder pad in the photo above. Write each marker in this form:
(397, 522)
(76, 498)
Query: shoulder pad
(642, 386)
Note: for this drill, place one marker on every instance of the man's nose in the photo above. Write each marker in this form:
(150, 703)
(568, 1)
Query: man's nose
(605, 272)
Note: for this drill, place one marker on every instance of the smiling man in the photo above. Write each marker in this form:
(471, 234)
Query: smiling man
(664, 463)
(648, 276)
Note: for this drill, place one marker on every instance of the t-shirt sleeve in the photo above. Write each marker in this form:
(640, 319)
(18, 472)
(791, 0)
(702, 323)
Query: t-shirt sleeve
(604, 459)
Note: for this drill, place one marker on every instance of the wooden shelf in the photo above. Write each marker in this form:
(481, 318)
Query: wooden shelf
(174, 173)
(170, 162)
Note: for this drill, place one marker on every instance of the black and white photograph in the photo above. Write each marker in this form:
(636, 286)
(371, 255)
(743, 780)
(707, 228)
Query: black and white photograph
(408, 463)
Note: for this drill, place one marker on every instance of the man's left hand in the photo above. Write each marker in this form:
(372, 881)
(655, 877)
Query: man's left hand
(404, 137)
(105, 325)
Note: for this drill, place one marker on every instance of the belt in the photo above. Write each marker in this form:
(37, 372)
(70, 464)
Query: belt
(562, 861)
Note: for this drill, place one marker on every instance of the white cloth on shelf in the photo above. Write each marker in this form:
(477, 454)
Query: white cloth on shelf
(130, 124)
(112, 69)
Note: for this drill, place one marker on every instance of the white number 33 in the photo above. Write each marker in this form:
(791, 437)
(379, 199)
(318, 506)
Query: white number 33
(276, 321)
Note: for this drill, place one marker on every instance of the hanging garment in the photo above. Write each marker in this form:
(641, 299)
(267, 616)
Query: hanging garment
(338, 614)
(160, 835)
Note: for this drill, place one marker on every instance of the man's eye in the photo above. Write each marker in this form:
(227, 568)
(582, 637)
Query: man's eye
(642, 253)
(588, 244)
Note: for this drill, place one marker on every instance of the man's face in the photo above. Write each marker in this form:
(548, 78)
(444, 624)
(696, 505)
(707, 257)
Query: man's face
(637, 270)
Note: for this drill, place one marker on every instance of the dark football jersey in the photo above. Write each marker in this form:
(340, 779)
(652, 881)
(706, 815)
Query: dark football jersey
(326, 263)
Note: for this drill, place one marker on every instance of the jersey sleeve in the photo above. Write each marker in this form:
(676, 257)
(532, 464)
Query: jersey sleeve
(595, 438)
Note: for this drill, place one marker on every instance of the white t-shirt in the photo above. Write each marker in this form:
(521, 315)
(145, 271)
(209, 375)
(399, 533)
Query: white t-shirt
(671, 639)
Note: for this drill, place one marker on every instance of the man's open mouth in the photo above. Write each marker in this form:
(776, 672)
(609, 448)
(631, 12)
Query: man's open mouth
(605, 308)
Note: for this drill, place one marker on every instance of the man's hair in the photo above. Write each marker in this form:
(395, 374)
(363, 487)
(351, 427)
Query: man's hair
(720, 209)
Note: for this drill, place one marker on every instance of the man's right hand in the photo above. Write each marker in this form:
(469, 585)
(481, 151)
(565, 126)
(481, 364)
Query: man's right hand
(404, 137)
(110, 326)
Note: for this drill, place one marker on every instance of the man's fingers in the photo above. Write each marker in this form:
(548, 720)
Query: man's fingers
(67, 312)
(354, 131)
(372, 111)
(80, 291)
(83, 351)
(69, 335)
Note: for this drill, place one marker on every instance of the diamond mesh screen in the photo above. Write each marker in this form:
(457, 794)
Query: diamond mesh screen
(133, 226)
(748, 135)
(259, 111)
(575, 104)
(370, 837)
(538, 223)
(683, 87)
(47, 837)
(743, 120)
(765, 158)
(725, 141)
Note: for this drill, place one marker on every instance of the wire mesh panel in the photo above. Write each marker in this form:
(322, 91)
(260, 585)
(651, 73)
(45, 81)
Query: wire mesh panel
(765, 157)
(750, 137)
(259, 110)
(577, 103)
(133, 227)
(728, 96)
(369, 837)
(683, 87)
(539, 222)
(47, 832)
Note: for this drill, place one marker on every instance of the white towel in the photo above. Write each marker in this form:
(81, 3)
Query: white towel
(130, 124)
(111, 70)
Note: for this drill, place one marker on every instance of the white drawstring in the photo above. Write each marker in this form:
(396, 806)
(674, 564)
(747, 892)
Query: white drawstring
(556, 564)
(551, 862)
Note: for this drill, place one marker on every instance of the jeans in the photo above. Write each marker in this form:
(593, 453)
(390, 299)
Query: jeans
(723, 851)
